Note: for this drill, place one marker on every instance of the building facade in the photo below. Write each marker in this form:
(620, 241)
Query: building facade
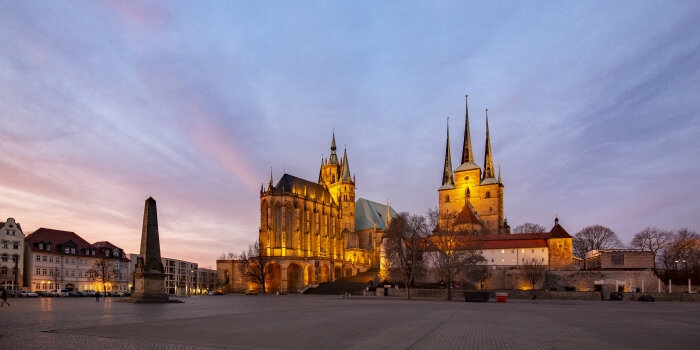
(206, 280)
(470, 188)
(312, 232)
(11, 255)
(57, 260)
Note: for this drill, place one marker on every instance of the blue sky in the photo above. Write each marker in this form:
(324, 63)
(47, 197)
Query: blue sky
(593, 110)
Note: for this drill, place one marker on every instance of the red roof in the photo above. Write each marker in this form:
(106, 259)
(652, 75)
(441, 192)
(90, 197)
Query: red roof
(56, 238)
(105, 245)
(514, 244)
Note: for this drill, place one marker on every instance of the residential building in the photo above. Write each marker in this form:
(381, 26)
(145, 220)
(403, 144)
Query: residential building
(11, 255)
(206, 279)
(57, 259)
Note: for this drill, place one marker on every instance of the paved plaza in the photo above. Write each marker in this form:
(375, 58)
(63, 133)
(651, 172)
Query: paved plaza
(325, 322)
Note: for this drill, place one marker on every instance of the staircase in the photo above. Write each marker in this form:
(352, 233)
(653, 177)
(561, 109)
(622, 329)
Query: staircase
(355, 285)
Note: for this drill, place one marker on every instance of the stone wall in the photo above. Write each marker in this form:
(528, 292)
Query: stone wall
(584, 280)
(541, 294)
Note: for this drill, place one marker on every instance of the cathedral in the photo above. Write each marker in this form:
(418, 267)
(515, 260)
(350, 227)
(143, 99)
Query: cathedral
(317, 231)
(472, 196)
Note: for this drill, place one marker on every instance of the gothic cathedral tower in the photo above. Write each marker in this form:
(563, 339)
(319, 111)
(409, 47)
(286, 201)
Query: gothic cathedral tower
(471, 190)
(335, 176)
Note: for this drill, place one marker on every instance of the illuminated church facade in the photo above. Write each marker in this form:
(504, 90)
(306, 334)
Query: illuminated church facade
(317, 231)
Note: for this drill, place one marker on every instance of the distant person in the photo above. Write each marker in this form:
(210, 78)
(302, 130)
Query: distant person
(4, 298)
(534, 298)
(97, 297)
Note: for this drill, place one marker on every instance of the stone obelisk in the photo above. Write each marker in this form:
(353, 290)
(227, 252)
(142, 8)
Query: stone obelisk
(149, 275)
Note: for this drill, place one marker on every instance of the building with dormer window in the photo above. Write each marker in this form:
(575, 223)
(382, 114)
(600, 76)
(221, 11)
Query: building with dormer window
(11, 255)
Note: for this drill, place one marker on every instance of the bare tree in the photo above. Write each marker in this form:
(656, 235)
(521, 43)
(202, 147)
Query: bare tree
(533, 271)
(252, 265)
(596, 237)
(579, 247)
(652, 239)
(683, 251)
(102, 271)
(403, 245)
(529, 227)
(227, 256)
(457, 248)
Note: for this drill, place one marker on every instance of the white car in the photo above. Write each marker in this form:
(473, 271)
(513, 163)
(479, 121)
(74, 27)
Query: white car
(27, 293)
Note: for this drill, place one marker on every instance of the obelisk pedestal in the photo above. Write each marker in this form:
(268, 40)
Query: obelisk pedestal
(149, 276)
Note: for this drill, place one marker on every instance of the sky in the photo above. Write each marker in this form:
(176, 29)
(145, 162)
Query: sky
(593, 110)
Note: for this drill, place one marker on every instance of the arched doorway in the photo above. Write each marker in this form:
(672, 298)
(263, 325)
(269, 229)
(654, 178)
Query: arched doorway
(273, 277)
(70, 287)
(325, 273)
(295, 278)
(308, 275)
(337, 272)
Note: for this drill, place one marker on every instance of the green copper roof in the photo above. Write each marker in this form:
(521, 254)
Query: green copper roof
(368, 212)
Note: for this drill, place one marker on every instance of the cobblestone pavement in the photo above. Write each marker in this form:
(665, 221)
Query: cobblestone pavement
(322, 322)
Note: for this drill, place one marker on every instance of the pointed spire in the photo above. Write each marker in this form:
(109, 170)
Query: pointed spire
(334, 157)
(448, 177)
(467, 152)
(499, 172)
(320, 171)
(271, 177)
(556, 218)
(345, 173)
(488, 159)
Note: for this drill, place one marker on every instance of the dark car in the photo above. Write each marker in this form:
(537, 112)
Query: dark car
(74, 294)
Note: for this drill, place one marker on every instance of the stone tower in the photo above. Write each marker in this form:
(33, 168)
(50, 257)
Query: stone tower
(335, 176)
(469, 187)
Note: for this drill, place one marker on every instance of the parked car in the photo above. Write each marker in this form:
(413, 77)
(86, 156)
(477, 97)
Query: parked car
(247, 292)
(89, 293)
(27, 293)
(54, 293)
(65, 293)
(647, 298)
(74, 294)
(42, 293)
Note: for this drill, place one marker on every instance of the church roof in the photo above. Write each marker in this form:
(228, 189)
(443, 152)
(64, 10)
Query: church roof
(368, 212)
(468, 216)
(290, 183)
(467, 166)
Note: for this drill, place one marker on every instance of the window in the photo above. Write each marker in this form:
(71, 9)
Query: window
(542, 259)
(66, 250)
(72, 250)
(43, 271)
(41, 246)
(488, 194)
(38, 258)
(48, 246)
(72, 273)
(51, 259)
(50, 272)
(533, 250)
(38, 286)
(502, 260)
(522, 250)
(512, 251)
(447, 199)
(503, 251)
(58, 260)
(4, 244)
(106, 253)
(542, 250)
(617, 259)
(14, 258)
(43, 258)
(38, 271)
(4, 257)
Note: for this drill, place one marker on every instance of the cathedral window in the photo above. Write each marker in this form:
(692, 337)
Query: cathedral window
(447, 199)
(488, 194)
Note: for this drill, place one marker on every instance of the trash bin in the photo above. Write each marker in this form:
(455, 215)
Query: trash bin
(501, 297)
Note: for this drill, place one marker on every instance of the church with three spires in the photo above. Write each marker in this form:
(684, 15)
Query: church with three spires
(470, 196)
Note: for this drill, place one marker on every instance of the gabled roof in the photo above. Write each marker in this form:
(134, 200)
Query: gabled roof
(468, 215)
(368, 212)
(559, 232)
(290, 183)
(105, 245)
(56, 238)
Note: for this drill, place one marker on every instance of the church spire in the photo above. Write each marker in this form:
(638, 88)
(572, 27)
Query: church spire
(467, 153)
(320, 171)
(345, 173)
(270, 177)
(488, 159)
(499, 172)
(448, 178)
(334, 157)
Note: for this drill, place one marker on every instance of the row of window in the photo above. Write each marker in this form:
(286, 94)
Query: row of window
(6, 245)
(71, 273)
(4, 271)
(11, 232)
(512, 251)
(6, 258)
(72, 261)
(513, 260)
